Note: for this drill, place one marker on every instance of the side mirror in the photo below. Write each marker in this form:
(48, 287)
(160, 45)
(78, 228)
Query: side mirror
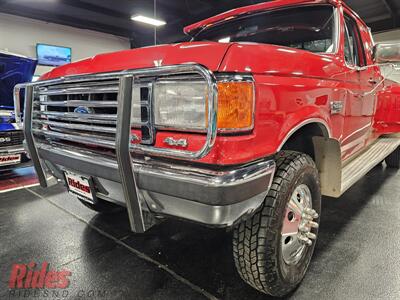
(387, 53)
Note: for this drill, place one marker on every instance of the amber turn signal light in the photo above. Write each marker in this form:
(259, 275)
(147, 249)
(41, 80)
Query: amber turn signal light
(235, 105)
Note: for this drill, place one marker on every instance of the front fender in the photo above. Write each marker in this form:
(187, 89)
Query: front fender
(283, 106)
(298, 120)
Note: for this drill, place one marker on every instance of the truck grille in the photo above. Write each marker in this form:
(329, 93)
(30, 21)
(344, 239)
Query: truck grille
(80, 111)
(11, 138)
(85, 113)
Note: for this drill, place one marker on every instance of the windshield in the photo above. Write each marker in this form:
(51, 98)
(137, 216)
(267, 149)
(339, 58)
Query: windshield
(309, 28)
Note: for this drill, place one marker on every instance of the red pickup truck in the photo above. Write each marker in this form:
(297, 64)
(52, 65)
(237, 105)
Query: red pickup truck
(267, 108)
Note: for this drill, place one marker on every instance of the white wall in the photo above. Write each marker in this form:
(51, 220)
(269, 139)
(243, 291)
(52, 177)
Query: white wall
(390, 37)
(20, 35)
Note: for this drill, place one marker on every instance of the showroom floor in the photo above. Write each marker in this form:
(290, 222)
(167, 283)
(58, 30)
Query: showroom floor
(357, 254)
(18, 179)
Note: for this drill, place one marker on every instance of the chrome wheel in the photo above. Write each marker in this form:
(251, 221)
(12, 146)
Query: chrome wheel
(298, 222)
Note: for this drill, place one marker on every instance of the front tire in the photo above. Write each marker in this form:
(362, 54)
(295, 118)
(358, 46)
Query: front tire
(271, 253)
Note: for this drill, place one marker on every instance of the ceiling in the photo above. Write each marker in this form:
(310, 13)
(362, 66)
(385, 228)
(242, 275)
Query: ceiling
(113, 16)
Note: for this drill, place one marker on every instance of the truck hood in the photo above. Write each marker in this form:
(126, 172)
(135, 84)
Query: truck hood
(14, 69)
(218, 57)
(209, 54)
(279, 61)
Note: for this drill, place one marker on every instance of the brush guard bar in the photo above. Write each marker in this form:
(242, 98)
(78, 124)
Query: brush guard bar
(123, 147)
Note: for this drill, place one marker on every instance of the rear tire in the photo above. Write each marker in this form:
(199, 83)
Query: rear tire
(393, 160)
(259, 242)
(102, 206)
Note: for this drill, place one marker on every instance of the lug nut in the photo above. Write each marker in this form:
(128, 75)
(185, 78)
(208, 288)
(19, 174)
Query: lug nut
(313, 224)
(308, 210)
(311, 235)
(311, 212)
(304, 240)
(304, 229)
(306, 216)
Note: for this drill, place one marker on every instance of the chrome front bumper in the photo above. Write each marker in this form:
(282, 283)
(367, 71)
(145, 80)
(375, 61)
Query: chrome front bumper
(215, 198)
(19, 149)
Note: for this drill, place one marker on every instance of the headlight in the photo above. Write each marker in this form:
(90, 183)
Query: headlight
(180, 104)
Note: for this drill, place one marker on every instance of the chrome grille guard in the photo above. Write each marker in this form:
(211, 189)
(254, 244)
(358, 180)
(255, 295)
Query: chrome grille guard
(123, 146)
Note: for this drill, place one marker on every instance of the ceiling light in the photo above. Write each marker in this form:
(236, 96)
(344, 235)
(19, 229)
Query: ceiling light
(148, 20)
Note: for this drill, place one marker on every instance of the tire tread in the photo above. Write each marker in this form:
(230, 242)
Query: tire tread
(255, 266)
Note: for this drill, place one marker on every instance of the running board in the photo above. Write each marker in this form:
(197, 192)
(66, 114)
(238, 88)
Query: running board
(366, 161)
(335, 181)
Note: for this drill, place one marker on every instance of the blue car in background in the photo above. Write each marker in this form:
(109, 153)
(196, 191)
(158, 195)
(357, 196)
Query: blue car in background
(14, 69)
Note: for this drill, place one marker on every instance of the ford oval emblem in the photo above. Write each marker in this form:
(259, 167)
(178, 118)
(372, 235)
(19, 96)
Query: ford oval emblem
(83, 110)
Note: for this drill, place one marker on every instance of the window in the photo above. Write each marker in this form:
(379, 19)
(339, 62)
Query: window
(309, 28)
(353, 47)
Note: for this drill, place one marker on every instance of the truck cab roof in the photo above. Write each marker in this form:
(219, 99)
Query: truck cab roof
(255, 8)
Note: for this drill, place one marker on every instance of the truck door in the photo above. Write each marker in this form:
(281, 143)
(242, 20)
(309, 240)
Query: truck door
(360, 100)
